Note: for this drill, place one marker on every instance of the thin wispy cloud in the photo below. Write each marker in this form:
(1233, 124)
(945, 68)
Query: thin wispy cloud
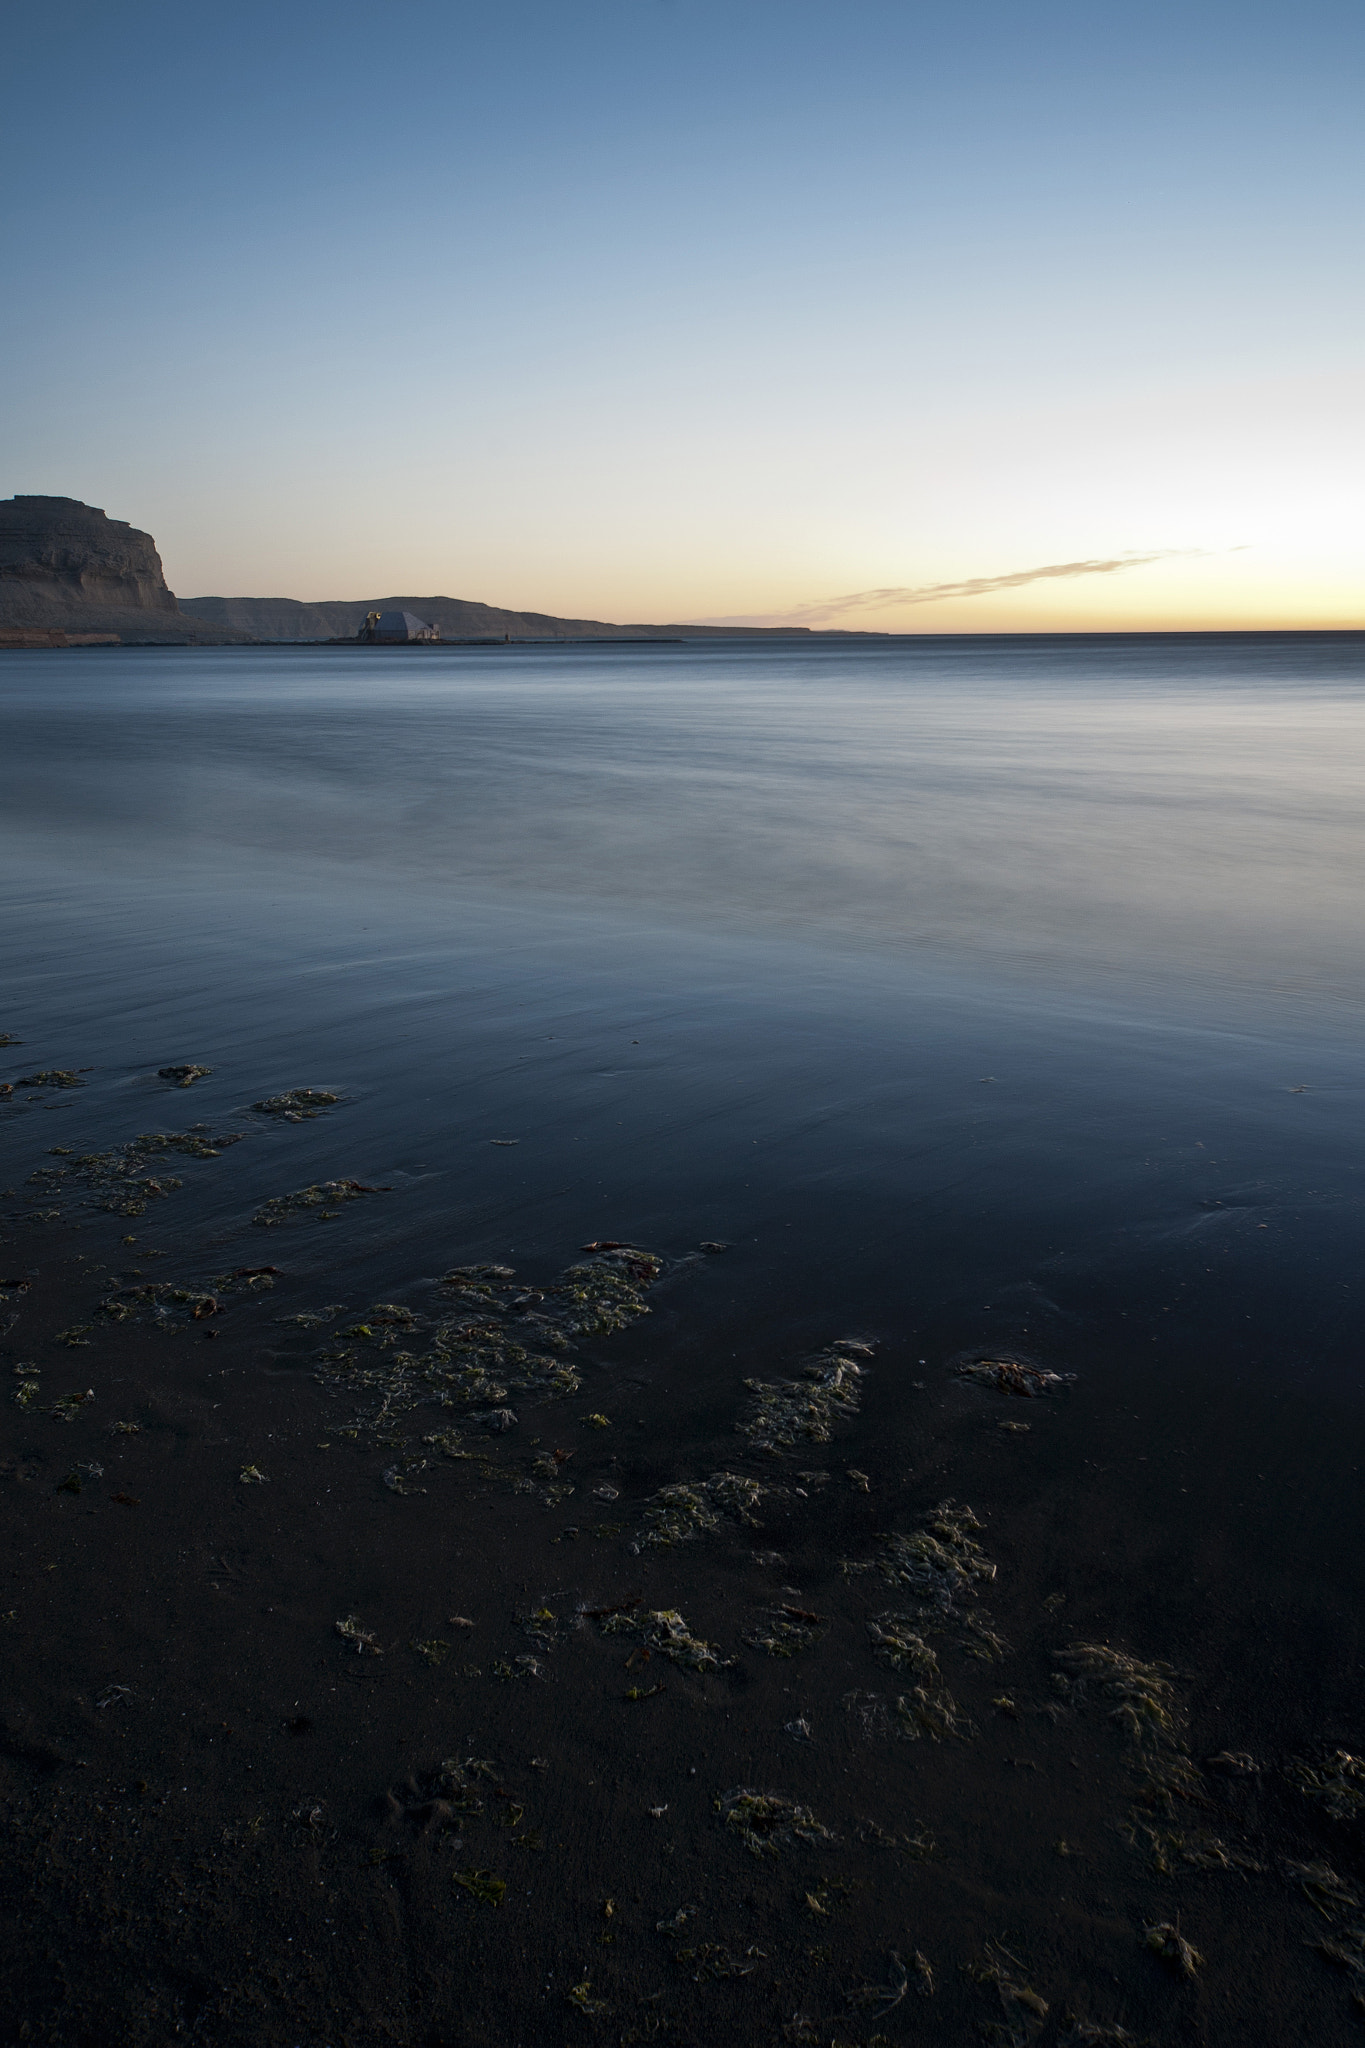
(829, 609)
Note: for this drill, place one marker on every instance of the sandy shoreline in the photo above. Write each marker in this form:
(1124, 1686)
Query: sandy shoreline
(225, 1819)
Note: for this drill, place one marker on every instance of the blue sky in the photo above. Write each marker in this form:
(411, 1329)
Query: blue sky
(673, 310)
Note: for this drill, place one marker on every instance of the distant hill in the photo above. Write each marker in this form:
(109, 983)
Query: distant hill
(285, 618)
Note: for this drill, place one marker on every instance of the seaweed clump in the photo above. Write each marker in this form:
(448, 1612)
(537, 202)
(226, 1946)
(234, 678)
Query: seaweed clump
(1170, 1944)
(120, 1177)
(1025, 2011)
(664, 1630)
(787, 1412)
(897, 1643)
(295, 1105)
(679, 1513)
(160, 1302)
(514, 1344)
(1338, 1785)
(785, 1630)
(1008, 1376)
(939, 1564)
(324, 1196)
(1145, 1705)
(183, 1076)
(767, 1822)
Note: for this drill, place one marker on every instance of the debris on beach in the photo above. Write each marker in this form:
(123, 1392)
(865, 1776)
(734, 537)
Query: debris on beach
(295, 1105)
(1009, 1376)
(362, 1640)
(481, 1885)
(940, 1564)
(768, 1822)
(1337, 1785)
(67, 1407)
(664, 1631)
(1173, 1850)
(1322, 1887)
(252, 1475)
(78, 1476)
(1170, 1944)
(514, 1344)
(712, 1960)
(897, 1643)
(324, 1196)
(396, 1477)
(1147, 1709)
(183, 1077)
(782, 1631)
(932, 1711)
(785, 1412)
(875, 2001)
(1346, 1948)
(27, 1392)
(685, 1510)
(1025, 2011)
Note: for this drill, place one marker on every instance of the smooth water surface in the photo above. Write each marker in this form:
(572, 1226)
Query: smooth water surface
(915, 968)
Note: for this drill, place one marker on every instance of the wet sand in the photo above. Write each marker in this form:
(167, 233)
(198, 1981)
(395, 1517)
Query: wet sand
(225, 1822)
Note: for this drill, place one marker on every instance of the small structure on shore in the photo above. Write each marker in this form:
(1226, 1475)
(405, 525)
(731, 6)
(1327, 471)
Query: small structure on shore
(396, 629)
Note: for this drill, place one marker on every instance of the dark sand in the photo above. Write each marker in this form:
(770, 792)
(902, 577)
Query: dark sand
(223, 1823)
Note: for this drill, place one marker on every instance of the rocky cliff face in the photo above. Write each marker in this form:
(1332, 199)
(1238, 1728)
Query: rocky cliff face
(67, 568)
(56, 552)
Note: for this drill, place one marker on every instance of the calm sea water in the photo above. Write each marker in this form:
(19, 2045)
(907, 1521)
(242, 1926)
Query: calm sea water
(934, 976)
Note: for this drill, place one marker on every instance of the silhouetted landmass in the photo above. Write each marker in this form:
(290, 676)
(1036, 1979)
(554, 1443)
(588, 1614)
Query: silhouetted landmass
(71, 575)
(458, 618)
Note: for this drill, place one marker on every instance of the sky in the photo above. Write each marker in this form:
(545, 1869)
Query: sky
(979, 318)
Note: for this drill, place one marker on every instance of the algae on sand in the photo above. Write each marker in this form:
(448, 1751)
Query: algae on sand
(1147, 1707)
(896, 1642)
(782, 1631)
(784, 1413)
(664, 1630)
(1170, 1944)
(768, 1822)
(1337, 1785)
(686, 1510)
(1025, 2011)
(939, 1563)
(1009, 1376)
(515, 1344)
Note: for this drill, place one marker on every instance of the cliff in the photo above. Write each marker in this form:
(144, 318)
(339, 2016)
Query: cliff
(68, 568)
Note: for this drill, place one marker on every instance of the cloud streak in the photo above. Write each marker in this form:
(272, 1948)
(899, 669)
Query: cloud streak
(831, 608)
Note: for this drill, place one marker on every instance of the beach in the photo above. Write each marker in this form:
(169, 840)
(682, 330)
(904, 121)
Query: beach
(770, 1448)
